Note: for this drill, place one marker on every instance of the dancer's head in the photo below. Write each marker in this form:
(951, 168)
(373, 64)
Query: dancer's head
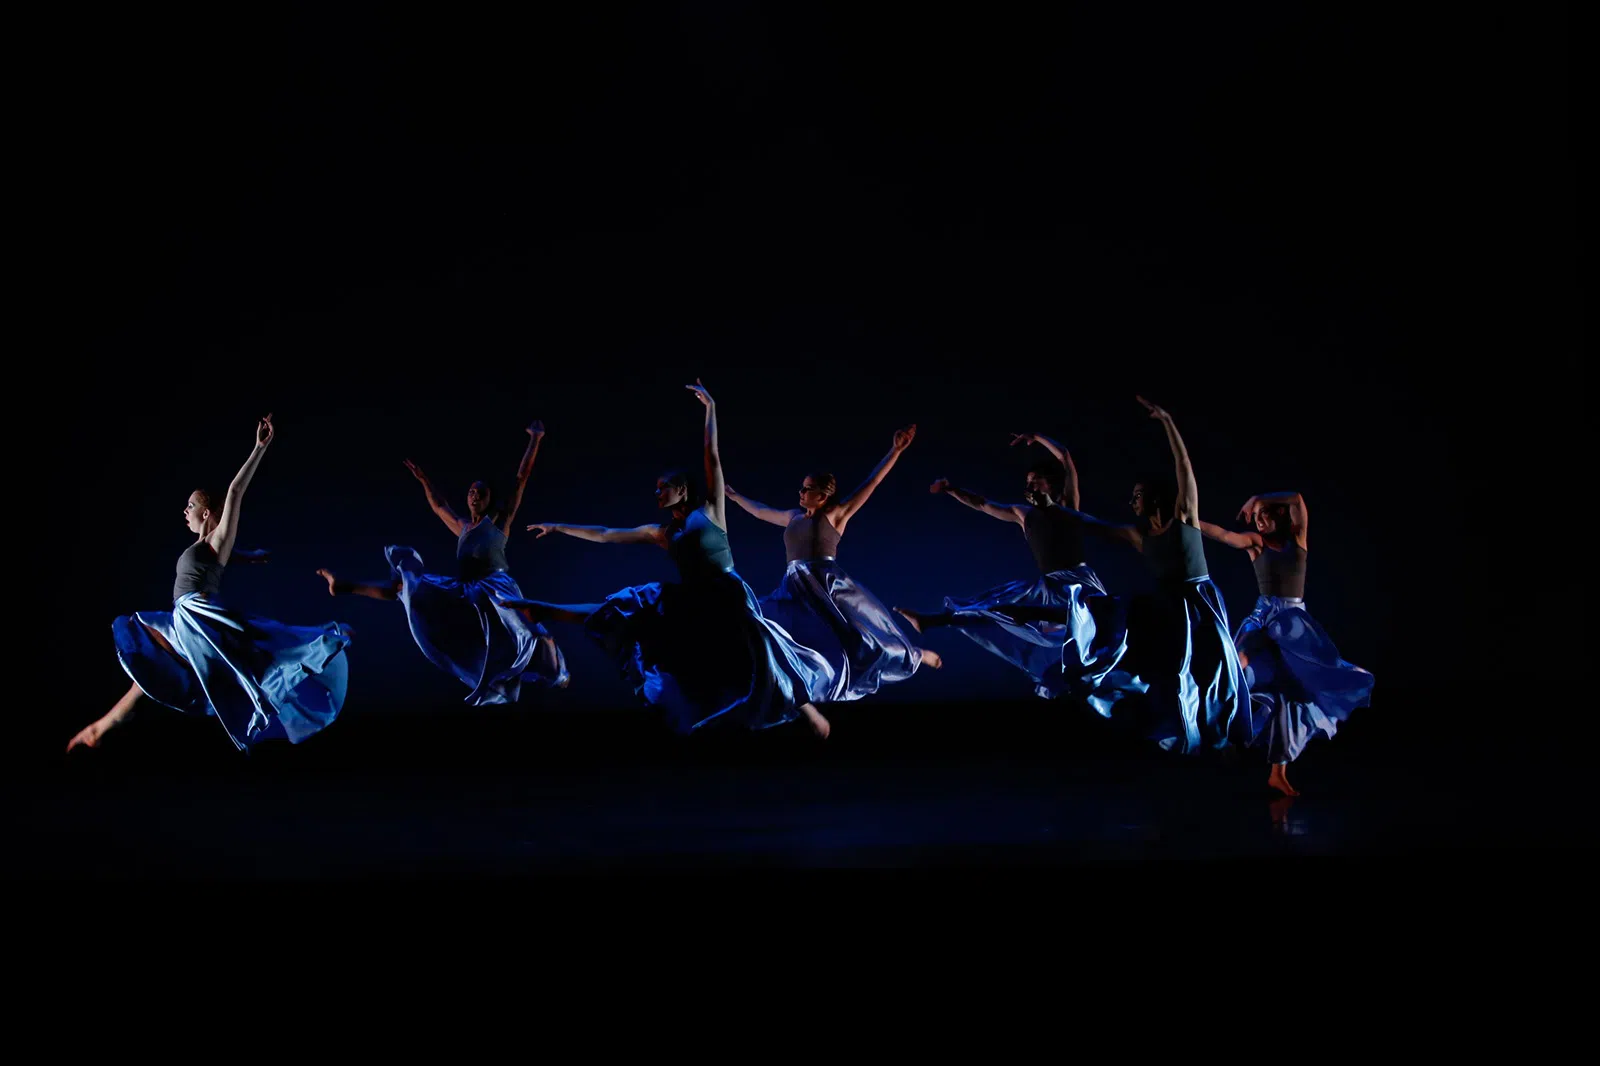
(675, 491)
(1272, 521)
(818, 492)
(479, 496)
(203, 511)
(1044, 485)
(1154, 495)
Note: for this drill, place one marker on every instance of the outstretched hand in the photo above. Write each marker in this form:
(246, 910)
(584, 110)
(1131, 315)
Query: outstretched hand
(699, 389)
(942, 485)
(536, 429)
(264, 431)
(416, 471)
(1158, 413)
(904, 437)
(1247, 513)
(1023, 438)
(539, 529)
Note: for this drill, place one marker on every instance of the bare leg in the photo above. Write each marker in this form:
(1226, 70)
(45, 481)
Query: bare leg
(337, 587)
(923, 622)
(819, 724)
(90, 735)
(1279, 779)
(932, 659)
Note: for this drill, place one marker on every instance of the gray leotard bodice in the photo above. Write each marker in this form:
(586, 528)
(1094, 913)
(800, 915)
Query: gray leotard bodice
(1176, 555)
(481, 551)
(199, 570)
(1055, 537)
(1281, 573)
(700, 549)
(810, 537)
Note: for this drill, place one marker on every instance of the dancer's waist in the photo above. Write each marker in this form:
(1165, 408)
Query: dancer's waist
(815, 559)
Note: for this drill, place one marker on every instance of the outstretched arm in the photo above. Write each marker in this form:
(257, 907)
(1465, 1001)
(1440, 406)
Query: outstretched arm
(1296, 503)
(222, 538)
(1006, 512)
(1230, 538)
(524, 468)
(714, 486)
(1188, 504)
(775, 515)
(1069, 488)
(651, 534)
(1099, 527)
(435, 501)
(854, 502)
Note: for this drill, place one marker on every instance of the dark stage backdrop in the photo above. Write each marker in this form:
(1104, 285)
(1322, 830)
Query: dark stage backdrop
(1338, 246)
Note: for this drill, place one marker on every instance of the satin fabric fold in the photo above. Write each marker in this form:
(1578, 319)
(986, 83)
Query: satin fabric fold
(1298, 682)
(825, 609)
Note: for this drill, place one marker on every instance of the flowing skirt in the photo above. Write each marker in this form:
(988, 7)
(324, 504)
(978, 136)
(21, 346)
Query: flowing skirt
(1180, 650)
(703, 652)
(1076, 653)
(261, 679)
(461, 629)
(1298, 682)
(824, 609)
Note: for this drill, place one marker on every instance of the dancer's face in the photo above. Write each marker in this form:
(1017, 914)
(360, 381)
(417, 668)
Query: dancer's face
(811, 497)
(1038, 491)
(1138, 502)
(195, 513)
(670, 495)
(1266, 523)
(478, 500)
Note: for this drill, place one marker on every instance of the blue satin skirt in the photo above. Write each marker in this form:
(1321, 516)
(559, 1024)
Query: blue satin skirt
(1298, 682)
(261, 679)
(824, 609)
(1180, 649)
(703, 652)
(458, 625)
(1075, 656)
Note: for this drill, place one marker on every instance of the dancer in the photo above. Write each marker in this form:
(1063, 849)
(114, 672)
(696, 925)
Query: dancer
(819, 604)
(1074, 637)
(1179, 650)
(457, 622)
(1297, 680)
(699, 649)
(261, 679)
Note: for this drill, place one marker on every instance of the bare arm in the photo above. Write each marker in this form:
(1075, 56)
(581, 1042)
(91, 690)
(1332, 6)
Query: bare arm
(714, 486)
(651, 534)
(221, 539)
(524, 469)
(852, 503)
(1006, 512)
(435, 501)
(1188, 504)
(1069, 488)
(775, 515)
(1230, 538)
(1298, 518)
(1099, 527)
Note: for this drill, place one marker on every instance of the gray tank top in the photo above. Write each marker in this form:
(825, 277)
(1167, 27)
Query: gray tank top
(810, 538)
(481, 551)
(1177, 555)
(700, 549)
(1055, 538)
(199, 570)
(1281, 573)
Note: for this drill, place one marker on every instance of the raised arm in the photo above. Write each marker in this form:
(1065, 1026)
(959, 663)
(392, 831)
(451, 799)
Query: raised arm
(1298, 518)
(1006, 512)
(524, 468)
(435, 501)
(1069, 487)
(1188, 503)
(714, 486)
(777, 516)
(852, 503)
(1247, 541)
(651, 534)
(221, 539)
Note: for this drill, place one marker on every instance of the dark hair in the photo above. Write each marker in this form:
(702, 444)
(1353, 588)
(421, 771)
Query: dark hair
(1160, 492)
(488, 486)
(694, 496)
(827, 485)
(1053, 473)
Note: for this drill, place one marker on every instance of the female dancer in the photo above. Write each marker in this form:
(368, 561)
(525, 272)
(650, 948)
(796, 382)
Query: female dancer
(457, 622)
(1072, 636)
(819, 604)
(699, 649)
(261, 679)
(1297, 679)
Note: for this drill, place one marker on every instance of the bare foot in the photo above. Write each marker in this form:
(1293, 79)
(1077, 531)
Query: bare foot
(931, 659)
(328, 576)
(819, 724)
(1279, 779)
(88, 737)
(914, 617)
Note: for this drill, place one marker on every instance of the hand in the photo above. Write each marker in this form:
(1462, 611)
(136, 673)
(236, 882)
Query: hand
(942, 485)
(539, 529)
(699, 389)
(1247, 513)
(904, 437)
(416, 471)
(264, 432)
(1023, 438)
(1156, 413)
(536, 429)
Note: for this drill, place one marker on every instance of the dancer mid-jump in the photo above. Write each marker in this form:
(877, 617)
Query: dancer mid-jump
(457, 622)
(819, 604)
(261, 679)
(700, 649)
(1297, 679)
